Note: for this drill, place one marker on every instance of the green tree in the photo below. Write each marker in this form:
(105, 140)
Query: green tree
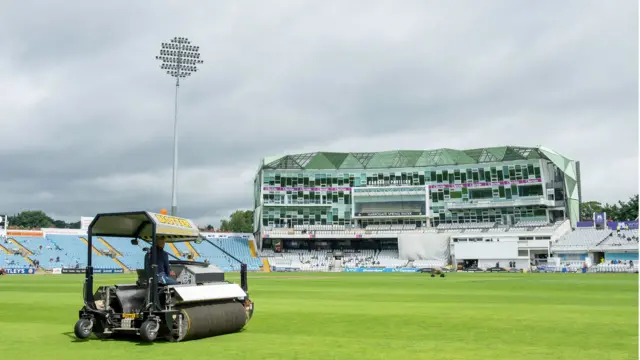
(39, 219)
(240, 221)
(623, 210)
(588, 208)
(31, 219)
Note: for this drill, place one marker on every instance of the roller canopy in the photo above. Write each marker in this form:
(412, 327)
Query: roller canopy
(140, 224)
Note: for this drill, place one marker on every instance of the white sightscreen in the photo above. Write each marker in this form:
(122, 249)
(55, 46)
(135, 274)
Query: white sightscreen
(423, 246)
(486, 250)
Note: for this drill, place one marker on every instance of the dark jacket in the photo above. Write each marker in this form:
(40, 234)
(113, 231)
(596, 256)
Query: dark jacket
(162, 260)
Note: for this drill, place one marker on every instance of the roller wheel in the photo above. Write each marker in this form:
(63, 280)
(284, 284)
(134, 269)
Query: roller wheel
(442, 275)
(433, 275)
(149, 331)
(82, 329)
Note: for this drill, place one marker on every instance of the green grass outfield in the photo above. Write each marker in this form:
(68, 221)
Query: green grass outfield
(358, 316)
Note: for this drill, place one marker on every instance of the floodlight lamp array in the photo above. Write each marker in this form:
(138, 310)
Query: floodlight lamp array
(179, 58)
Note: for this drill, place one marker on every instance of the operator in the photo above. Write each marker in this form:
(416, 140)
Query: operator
(162, 262)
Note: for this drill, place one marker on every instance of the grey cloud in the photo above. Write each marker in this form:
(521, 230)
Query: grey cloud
(86, 99)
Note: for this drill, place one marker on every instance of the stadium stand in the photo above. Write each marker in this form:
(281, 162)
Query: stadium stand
(70, 251)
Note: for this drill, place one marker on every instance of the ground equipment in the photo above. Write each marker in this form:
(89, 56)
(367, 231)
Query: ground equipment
(202, 305)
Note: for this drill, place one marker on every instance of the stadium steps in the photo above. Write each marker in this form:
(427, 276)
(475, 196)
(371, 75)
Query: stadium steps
(5, 249)
(29, 261)
(111, 248)
(123, 266)
(193, 251)
(175, 250)
(265, 265)
(86, 242)
(20, 246)
(252, 249)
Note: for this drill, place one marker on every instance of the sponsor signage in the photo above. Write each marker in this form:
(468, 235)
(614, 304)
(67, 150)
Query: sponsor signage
(34, 233)
(383, 270)
(95, 271)
(85, 221)
(390, 213)
(56, 271)
(64, 231)
(284, 269)
(20, 271)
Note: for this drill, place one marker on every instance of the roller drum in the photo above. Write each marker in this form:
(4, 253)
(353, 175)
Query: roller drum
(202, 321)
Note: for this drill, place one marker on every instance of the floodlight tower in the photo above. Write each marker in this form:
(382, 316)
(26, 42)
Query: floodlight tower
(180, 59)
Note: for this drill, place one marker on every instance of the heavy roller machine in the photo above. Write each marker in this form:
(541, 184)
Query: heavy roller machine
(202, 305)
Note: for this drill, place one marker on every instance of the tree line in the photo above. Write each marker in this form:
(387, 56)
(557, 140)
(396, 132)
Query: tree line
(241, 221)
(238, 221)
(621, 211)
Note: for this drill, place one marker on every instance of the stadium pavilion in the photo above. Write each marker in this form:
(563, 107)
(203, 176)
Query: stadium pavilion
(417, 188)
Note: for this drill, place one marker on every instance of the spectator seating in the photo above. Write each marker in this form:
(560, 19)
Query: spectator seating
(580, 240)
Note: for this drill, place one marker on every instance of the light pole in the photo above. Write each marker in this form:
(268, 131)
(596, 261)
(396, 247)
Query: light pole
(179, 58)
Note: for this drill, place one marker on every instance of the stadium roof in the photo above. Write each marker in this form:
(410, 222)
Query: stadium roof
(402, 158)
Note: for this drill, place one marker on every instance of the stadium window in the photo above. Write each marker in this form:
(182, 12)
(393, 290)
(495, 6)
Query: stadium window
(530, 169)
(433, 176)
(536, 170)
(421, 179)
(501, 191)
(539, 212)
(465, 190)
(440, 196)
(500, 177)
(451, 178)
(507, 193)
(525, 173)
(456, 195)
(439, 178)
(481, 174)
(463, 178)
(445, 174)
(434, 197)
(446, 191)
(475, 177)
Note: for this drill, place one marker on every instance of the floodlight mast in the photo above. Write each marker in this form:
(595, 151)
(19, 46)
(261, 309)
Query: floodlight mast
(180, 59)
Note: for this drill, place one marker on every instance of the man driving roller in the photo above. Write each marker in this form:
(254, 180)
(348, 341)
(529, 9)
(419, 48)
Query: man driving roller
(162, 263)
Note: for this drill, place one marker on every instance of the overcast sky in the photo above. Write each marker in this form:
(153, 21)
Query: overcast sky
(86, 113)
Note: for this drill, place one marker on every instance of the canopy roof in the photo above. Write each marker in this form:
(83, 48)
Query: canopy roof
(139, 224)
(401, 158)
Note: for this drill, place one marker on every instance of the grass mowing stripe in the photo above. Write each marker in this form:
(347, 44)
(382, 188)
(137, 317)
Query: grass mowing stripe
(361, 316)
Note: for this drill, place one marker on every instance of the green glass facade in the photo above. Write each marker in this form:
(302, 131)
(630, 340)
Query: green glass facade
(478, 185)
